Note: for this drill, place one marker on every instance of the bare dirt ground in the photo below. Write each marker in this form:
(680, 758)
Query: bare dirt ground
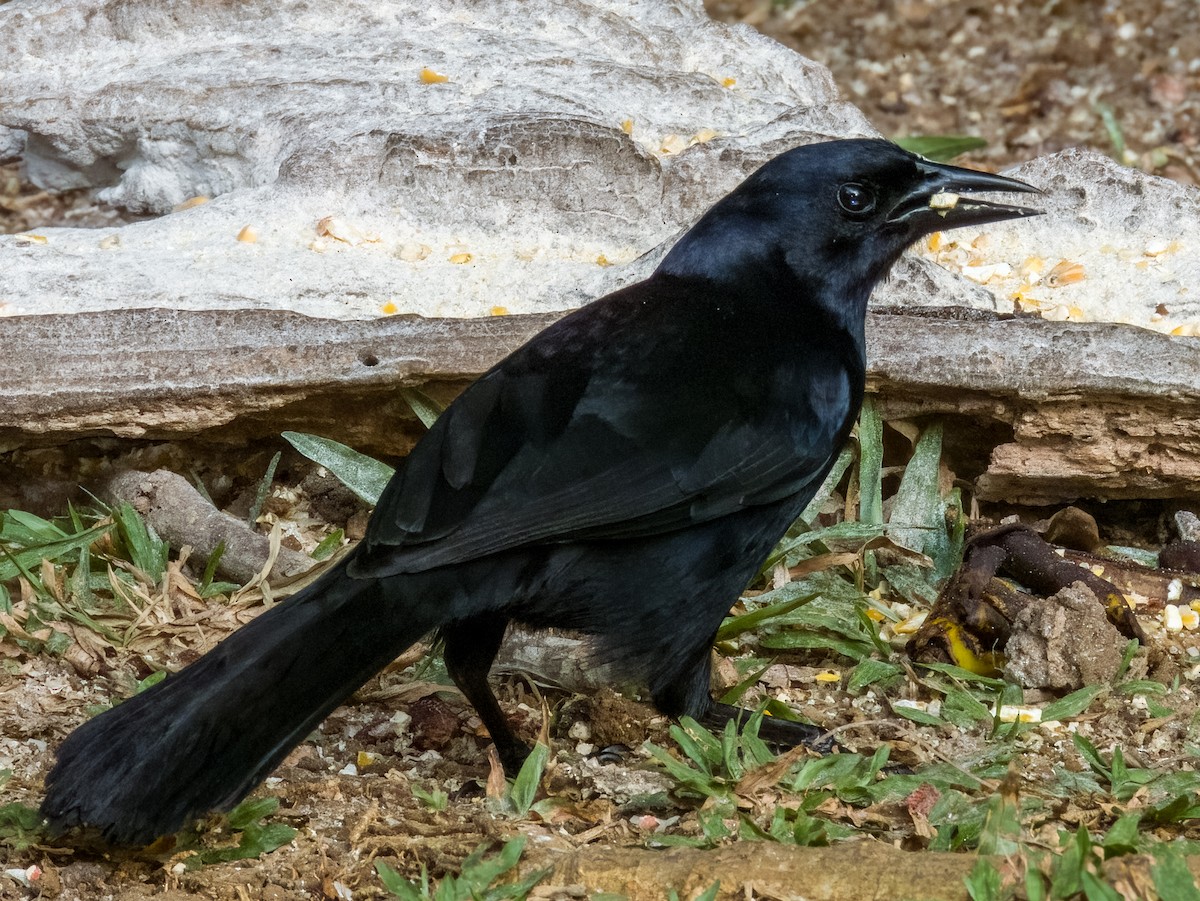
(1030, 80)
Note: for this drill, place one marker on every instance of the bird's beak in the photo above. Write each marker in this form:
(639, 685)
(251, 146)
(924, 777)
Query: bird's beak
(934, 203)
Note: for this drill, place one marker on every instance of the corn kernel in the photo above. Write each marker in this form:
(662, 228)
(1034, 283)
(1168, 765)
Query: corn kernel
(248, 235)
(198, 200)
(412, 253)
(428, 76)
(1032, 266)
(388, 308)
(1014, 713)
(911, 624)
(672, 144)
(1065, 273)
(943, 200)
(460, 258)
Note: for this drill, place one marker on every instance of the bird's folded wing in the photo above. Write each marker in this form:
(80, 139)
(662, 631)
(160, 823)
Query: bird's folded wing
(482, 481)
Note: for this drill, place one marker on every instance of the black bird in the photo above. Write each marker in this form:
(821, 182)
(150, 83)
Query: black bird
(623, 474)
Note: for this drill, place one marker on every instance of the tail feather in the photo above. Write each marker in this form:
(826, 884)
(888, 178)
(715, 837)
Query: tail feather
(204, 737)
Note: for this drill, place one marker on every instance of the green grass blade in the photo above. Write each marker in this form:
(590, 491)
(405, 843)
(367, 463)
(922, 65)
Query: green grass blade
(736, 625)
(1073, 704)
(264, 488)
(941, 148)
(525, 786)
(17, 562)
(147, 551)
(870, 464)
(425, 407)
(363, 475)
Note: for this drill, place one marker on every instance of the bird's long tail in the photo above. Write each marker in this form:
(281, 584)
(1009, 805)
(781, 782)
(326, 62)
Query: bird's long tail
(204, 737)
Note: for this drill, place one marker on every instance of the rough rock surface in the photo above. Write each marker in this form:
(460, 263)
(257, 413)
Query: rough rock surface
(466, 161)
(565, 135)
(1064, 643)
(1115, 245)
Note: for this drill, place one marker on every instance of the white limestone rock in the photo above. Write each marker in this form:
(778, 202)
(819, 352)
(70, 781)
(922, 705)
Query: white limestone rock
(569, 144)
(1115, 245)
(567, 136)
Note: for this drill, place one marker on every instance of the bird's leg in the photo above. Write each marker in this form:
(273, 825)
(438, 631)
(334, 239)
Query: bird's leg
(688, 694)
(684, 692)
(470, 647)
(772, 730)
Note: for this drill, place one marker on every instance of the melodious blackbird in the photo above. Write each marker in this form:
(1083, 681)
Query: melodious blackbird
(623, 474)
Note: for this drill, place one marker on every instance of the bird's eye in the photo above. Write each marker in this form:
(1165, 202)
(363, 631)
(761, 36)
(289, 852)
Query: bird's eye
(855, 198)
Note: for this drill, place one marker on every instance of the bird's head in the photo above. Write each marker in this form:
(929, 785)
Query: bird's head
(834, 217)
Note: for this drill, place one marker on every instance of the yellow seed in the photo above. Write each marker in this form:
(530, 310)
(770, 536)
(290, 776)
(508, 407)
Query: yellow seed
(602, 260)
(943, 200)
(935, 241)
(499, 311)
(728, 82)
(672, 144)
(412, 253)
(828, 676)
(461, 258)
(341, 230)
(910, 625)
(199, 200)
(1013, 713)
(1032, 266)
(388, 308)
(31, 239)
(627, 126)
(248, 235)
(1065, 273)
(1023, 301)
(428, 76)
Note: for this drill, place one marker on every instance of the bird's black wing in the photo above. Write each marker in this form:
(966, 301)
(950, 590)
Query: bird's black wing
(608, 425)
